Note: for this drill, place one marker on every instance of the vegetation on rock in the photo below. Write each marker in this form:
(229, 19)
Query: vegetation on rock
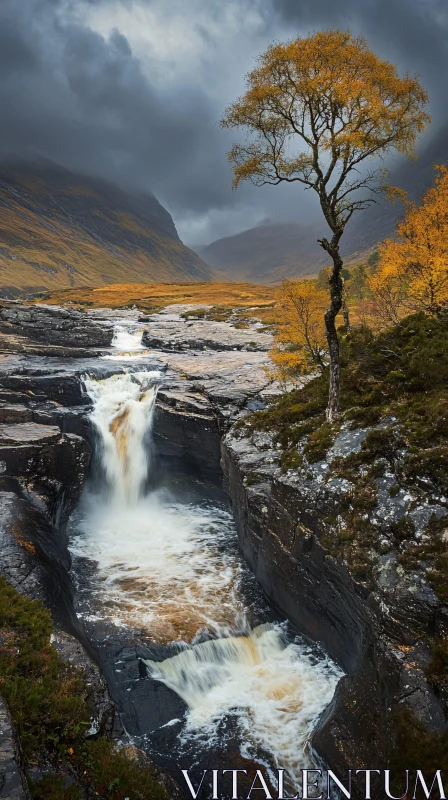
(395, 386)
(50, 705)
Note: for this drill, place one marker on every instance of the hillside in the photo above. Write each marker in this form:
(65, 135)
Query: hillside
(269, 253)
(61, 230)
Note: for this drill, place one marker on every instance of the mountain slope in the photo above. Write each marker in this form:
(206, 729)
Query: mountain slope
(269, 253)
(60, 230)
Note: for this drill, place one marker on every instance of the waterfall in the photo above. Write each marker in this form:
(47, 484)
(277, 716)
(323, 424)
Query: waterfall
(123, 409)
(127, 338)
(127, 342)
(271, 687)
(169, 570)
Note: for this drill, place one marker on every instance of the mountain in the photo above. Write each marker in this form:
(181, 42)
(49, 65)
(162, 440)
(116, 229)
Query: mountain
(269, 253)
(60, 230)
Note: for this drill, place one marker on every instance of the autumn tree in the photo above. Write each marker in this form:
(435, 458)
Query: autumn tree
(314, 110)
(413, 269)
(300, 331)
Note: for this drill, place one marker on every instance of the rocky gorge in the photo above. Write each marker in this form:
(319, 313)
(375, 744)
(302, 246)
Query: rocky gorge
(380, 630)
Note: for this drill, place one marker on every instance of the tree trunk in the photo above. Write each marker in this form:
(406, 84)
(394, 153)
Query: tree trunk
(336, 299)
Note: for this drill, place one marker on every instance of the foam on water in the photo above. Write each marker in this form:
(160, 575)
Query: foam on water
(272, 687)
(163, 566)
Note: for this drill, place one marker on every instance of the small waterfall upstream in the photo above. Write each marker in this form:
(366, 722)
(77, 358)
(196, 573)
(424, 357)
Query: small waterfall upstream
(170, 569)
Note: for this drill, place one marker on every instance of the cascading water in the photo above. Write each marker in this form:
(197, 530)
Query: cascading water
(122, 415)
(127, 342)
(273, 689)
(171, 570)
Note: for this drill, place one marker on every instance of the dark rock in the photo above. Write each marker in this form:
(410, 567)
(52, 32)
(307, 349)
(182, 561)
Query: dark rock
(374, 631)
(107, 721)
(55, 326)
(34, 559)
(14, 413)
(49, 466)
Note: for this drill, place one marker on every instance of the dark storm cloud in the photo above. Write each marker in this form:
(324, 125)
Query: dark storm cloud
(89, 102)
(412, 33)
(70, 94)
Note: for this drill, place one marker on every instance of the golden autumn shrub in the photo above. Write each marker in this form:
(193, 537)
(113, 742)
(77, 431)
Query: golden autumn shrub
(413, 270)
(300, 342)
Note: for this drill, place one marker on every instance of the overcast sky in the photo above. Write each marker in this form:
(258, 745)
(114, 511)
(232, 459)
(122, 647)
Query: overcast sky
(133, 90)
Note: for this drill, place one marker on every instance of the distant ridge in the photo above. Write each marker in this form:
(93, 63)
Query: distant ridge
(59, 229)
(268, 253)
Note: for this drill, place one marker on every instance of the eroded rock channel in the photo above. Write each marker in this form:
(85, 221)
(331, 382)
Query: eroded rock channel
(183, 565)
(113, 513)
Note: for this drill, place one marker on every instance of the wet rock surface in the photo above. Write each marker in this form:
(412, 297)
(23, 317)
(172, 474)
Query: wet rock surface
(52, 325)
(169, 331)
(45, 438)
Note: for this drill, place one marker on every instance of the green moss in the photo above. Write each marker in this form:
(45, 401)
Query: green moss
(194, 313)
(364, 415)
(427, 465)
(403, 530)
(49, 702)
(53, 787)
(320, 441)
(291, 459)
(416, 748)
(114, 776)
(431, 554)
(47, 699)
(252, 480)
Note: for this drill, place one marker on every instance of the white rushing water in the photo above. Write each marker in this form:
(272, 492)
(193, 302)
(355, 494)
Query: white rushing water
(172, 569)
(127, 342)
(122, 415)
(274, 690)
(163, 567)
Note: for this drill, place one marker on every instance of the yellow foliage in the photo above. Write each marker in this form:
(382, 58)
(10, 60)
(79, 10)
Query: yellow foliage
(335, 94)
(413, 270)
(300, 331)
(315, 109)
